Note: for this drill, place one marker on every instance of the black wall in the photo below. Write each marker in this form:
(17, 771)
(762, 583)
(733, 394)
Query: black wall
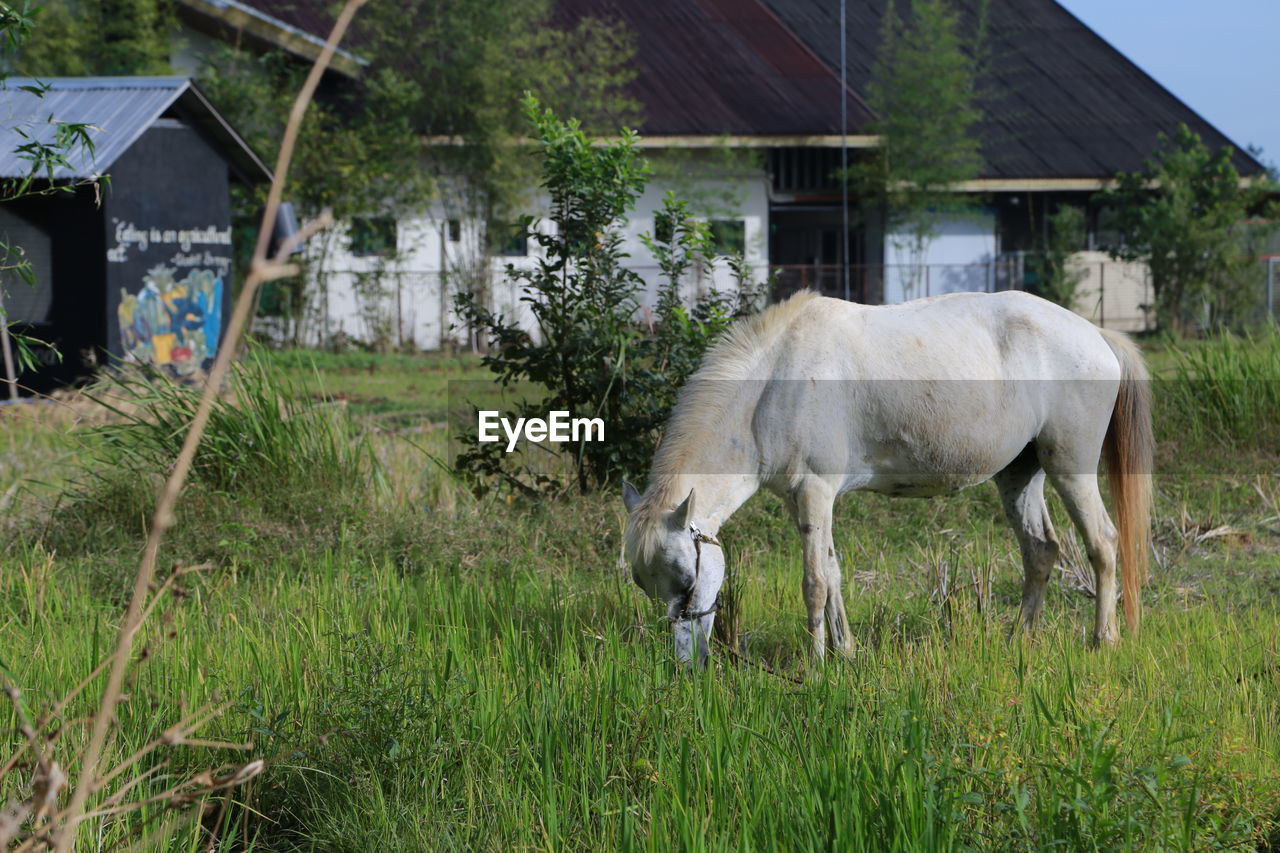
(77, 326)
(167, 225)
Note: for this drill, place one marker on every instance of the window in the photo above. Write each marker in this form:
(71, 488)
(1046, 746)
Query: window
(455, 230)
(509, 240)
(373, 235)
(728, 236)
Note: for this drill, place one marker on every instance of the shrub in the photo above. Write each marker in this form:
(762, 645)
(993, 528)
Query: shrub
(592, 357)
(265, 433)
(1181, 216)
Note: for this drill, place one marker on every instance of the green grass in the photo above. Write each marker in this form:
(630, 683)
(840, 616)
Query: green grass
(1231, 386)
(431, 672)
(393, 390)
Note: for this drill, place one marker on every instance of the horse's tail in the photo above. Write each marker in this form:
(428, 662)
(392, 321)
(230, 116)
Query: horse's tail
(1129, 448)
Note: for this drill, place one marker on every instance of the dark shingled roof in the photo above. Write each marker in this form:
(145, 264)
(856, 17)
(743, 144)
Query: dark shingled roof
(708, 67)
(704, 67)
(1066, 103)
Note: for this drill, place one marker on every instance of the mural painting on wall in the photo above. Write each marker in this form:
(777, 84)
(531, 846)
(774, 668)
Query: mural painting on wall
(175, 319)
(172, 323)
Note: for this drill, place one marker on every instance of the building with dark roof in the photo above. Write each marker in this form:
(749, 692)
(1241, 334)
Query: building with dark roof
(1065, 105)
(1065, 112)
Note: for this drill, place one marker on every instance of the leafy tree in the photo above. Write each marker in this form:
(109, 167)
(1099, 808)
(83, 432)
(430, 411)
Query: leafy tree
(358, 154)
(924, 88)
(472, 61)
(1181, 217)
(1054, 278)
(107, 37)
(452, 79)
(590, 356)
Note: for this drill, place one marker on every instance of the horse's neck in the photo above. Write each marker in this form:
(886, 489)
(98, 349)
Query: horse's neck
(721, 466)
(717, 496)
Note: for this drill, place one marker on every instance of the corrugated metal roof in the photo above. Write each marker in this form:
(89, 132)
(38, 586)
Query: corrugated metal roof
(311, 18)
(118, 110)
(1064, 102)
(251, 23)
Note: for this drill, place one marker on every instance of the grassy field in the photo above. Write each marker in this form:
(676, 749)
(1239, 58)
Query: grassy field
(423, 670)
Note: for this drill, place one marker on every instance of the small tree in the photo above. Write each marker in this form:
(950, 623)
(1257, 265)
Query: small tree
(1180, 216)
(924, 87)
(1054, 278)
(592, 357)
(471, 62)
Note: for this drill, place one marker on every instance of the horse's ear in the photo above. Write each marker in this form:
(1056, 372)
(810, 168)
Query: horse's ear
(630, 496)
(683, 516)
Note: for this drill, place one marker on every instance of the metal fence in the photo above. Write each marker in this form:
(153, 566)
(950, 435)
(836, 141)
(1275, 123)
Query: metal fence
(1113, 294)
(874, 283)
(414, 308)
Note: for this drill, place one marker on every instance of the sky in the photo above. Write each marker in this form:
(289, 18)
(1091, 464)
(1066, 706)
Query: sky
(1220, 58)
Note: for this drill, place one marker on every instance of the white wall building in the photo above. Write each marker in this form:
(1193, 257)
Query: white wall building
(399, 290)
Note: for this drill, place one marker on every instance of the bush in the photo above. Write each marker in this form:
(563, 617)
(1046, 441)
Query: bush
(279, 471)
(1182, 217)
(592, 358)
(1054, 279)
(266, 433)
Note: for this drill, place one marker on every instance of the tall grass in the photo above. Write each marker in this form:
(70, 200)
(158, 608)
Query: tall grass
(268, 433)
(115, 791)
(488, 679)
(499, 702)
(1227, 386)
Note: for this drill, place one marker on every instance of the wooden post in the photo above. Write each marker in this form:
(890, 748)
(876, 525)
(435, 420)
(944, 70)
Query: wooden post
(1102, 294)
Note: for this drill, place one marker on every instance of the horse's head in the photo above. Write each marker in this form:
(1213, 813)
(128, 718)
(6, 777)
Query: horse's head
(674, 561)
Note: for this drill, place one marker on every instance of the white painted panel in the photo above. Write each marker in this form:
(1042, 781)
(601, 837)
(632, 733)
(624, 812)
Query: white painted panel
(958, 259)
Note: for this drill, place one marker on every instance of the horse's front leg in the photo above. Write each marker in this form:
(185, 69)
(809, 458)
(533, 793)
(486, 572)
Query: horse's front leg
(839, 637)
(821, 584)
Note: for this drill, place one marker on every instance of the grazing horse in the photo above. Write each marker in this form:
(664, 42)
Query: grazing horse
(816, 397)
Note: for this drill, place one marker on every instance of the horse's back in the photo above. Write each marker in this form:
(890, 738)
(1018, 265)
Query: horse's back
(972, 336)
(932, 395)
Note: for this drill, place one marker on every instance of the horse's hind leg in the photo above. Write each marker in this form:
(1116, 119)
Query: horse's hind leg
(1021, 487)
(1088, 512)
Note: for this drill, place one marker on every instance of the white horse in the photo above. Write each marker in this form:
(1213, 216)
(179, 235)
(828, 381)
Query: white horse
(816, 397)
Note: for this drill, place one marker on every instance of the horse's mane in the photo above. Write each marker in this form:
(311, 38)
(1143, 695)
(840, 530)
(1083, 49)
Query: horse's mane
(735, 357)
